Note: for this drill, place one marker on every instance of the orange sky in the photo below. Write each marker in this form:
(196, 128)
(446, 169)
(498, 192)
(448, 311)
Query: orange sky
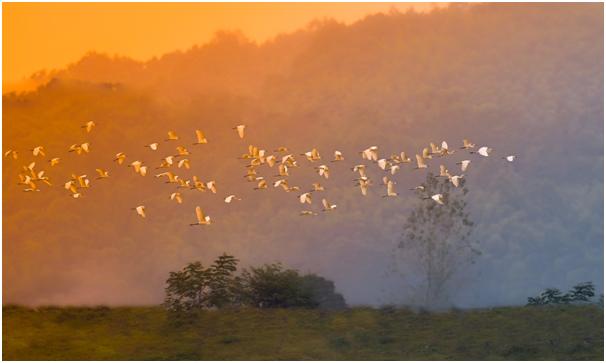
(45, 36)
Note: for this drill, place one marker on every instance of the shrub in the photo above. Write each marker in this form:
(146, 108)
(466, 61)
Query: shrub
(582, 292)
(269, 286)
(273, 286)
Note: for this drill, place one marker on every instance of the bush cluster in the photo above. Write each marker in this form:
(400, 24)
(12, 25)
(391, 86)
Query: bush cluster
(268, 286)
(582, 292)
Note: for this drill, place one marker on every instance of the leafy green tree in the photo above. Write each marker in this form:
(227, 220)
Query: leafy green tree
(554, 296)
(534, 301)
(323, 292)
(196, 287)
(273, 286)
(436, 239)
(187, 289)
(582, 292)
(223, 286)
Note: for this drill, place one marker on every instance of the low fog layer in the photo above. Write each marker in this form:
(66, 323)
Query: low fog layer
(524, 79)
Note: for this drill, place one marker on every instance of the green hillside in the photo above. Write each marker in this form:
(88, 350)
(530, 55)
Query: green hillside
(148, 333)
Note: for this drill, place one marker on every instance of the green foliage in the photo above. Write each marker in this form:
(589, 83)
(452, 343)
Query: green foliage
(582, 292)
(146, 333)
(436, 238)
(196, 287)
(273, 286)
(323, 292)
(269, 286)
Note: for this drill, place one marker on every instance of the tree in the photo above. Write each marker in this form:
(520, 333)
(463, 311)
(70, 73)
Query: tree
(582, 292)
(273, 286)
(222, 283)
(554, 296)
(196, 287)
(187, 289)
(436, 239)
(323, 292)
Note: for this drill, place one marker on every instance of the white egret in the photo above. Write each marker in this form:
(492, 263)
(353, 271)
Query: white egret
(176, 196)
(211, 185)
(120, 158)
(172, 136)
(323, 171)
(88, 126)
(305, 198)
(327, 206)
(231, 198)
(202, 219)
(183, 163)
(38, 150)
(102, 173)
(200, 138)
(484, 151)
(464, 164)
(153, 146)
(140, 210)
(467, 145)
(240, 130)
(338, 156)
(182, 151)
(390, 189)
(12, 153)
(54, 161)
(420, 162)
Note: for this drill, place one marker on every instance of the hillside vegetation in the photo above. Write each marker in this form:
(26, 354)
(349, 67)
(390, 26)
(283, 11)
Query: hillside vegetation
(150, 333)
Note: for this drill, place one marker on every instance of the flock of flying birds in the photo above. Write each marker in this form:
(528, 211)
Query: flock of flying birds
(282, 159)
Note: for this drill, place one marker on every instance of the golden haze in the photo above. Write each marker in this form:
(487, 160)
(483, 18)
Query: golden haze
(39, 36)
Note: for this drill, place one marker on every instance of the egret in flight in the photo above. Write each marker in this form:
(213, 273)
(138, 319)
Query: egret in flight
(327, 206)
(12, 153)
(464, 164)
(305, 198)
(140, 210)
(231, 198)
(390, 190)
(176, 196)
(88, 126)
(202, 219)
(467, 145)
(120, 158)
(38, 150)
(172, 136)
(102, 173)
(420, 162)
(153, 146)
(54, 161)
(200, 138)
(338, 156)
(240, 130)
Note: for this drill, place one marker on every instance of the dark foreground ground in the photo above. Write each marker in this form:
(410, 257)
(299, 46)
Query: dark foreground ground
(148, 333)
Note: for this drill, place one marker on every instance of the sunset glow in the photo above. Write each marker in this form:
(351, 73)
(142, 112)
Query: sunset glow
(46, 36)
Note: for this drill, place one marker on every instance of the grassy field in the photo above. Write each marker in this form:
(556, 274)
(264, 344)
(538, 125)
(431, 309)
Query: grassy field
(148, 333)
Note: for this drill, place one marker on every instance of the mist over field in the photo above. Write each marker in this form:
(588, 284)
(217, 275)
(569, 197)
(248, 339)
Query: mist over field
(523, 79)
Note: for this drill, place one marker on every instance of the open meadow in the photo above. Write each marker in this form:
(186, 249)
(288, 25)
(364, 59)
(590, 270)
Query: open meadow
(150, 333)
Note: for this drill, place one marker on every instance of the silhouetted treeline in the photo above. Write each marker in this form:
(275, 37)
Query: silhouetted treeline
(269, 286)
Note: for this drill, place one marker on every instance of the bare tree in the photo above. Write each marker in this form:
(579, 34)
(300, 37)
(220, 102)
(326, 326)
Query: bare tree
(436, 240)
